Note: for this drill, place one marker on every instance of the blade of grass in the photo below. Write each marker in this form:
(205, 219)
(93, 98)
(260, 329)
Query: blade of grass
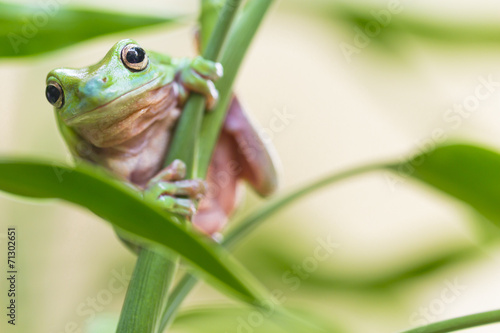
(251, 221)
(460, 323)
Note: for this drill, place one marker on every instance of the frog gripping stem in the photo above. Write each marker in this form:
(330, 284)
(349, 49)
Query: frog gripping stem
(170, 191)
(198, 75)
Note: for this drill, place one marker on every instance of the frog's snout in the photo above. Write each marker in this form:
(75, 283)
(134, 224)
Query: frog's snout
(94, 86)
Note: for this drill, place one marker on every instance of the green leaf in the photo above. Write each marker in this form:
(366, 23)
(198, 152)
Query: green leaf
(102, 323)
(468, 173)
(30, 30)
(268, 261)
(402, 23)
(230, 318)
(124, 207)
(460, 323)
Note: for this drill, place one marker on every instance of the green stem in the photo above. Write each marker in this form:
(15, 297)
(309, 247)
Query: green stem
(251, 222)
(210, 10)
(232, 57)
(234, 51)
(247, 224)
(151, 279)
(181, 290)
(184, 142)
(144, 299)
(460, 323)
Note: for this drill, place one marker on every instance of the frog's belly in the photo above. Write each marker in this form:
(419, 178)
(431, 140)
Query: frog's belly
(131, 141)
(140, 158)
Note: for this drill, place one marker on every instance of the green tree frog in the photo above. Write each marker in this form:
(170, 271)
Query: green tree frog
(120, 114)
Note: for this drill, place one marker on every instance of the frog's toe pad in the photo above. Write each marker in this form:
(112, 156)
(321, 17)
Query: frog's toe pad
(207, 69)
(181, 196)
(194, 189)
(199, 77)
(186, 207)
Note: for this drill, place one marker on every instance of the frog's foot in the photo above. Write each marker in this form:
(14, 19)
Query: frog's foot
(199, 76)
(173, 193)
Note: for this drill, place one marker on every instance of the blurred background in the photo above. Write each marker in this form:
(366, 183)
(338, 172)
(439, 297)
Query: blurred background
(405, 255)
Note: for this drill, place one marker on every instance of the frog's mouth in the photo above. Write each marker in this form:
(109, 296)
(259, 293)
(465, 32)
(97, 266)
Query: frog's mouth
(110, 105)
(126, 117)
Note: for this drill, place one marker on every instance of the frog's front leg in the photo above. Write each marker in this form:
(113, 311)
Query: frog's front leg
(198, 75)
(170, 191)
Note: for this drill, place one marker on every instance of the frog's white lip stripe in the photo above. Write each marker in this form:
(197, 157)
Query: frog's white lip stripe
(68, 120)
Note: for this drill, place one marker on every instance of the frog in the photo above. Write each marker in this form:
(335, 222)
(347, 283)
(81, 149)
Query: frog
(121, 112)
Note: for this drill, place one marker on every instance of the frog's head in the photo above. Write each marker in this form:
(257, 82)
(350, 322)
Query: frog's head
(107, 91)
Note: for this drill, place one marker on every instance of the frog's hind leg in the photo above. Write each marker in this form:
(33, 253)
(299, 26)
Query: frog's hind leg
(240, 153)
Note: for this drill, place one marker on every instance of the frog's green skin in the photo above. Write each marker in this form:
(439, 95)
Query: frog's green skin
(123, 119)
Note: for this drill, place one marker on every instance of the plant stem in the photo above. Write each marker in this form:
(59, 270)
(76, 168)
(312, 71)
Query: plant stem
(250, 222)
(153, 273)
(184, 142)
(210, 10)
(179, 293)
(460, 323)
(144, 298)
(232, 57)
(233, 54)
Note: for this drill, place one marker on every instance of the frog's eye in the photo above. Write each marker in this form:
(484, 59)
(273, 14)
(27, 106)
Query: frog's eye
(134, 57)
(54, 94)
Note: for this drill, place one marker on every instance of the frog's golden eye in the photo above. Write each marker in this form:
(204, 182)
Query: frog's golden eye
(134, 57)
(54, 94)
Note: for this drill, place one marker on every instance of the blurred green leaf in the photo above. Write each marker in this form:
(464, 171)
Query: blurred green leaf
(468, 173)
(395, 29)
(393, 26)
(270, 261)
(102, 323)
(31, 30)
(125, 208)
(230, 318)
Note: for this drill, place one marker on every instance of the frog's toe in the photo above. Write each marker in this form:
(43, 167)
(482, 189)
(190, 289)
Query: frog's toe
(212, 97)
(194, 189)
(198, 76)
(192, 81)
(208, 69)
(181, 196)
(186, 207)
(174, 171)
